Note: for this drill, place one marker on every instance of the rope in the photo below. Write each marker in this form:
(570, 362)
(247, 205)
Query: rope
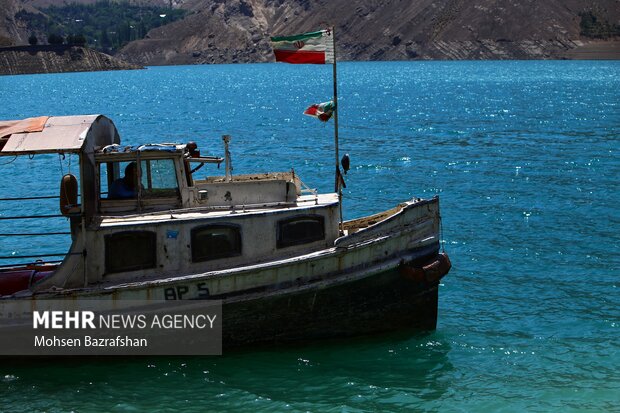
(11, 161)
(27, 234)
(32, 217)
(61, 157)
(62, 254)
(30, 198)
(443, 241)
(306, 187)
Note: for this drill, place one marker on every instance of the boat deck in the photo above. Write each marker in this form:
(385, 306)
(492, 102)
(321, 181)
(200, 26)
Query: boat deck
(303, 202)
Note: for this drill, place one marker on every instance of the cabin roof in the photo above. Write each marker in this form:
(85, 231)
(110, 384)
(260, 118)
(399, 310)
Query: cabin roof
(54, 134)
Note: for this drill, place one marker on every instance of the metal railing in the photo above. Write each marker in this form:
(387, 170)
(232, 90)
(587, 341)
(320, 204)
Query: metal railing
(37, 257)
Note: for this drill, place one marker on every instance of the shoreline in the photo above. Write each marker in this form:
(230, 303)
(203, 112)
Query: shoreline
(40, 59)
(44, 59)
(595, 50)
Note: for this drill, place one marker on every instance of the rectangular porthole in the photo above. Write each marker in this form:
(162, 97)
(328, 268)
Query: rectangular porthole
(211, 242)
(130, 251)
(300, 230)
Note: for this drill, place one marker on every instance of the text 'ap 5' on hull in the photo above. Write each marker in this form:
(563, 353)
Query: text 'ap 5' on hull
(144, 226)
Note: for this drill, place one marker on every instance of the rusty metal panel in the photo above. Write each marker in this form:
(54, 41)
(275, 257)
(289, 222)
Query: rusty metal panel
(9, 127)
(60, 134)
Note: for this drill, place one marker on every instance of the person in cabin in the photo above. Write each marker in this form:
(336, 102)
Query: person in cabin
(125, 187)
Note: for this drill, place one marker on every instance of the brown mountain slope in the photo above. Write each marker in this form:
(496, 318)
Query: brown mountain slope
(238, 30)
(8, 26)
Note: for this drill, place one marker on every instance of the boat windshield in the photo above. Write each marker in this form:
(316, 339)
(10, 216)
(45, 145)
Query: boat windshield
(130, 179)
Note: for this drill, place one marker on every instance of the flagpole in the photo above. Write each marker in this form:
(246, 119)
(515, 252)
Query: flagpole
(338, 187)
(337, 178)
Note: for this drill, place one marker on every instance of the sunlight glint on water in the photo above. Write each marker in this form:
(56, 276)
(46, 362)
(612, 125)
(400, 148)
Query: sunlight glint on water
(524, 156)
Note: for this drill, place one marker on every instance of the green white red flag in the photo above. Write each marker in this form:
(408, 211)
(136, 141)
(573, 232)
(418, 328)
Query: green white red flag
(315, 47)
(321, 111)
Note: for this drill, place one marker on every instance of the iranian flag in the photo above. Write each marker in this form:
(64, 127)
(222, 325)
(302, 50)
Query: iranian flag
(315, 47)
(321, 111)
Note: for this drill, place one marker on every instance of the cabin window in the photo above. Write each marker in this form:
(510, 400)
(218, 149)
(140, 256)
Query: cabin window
(300, 230)
(212, 242)
(130, 251)
(118, 180)
(159, 178)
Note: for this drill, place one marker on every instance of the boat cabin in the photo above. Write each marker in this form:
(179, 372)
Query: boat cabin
(150, 212)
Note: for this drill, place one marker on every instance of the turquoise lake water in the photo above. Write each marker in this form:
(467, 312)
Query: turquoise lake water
(525, 159)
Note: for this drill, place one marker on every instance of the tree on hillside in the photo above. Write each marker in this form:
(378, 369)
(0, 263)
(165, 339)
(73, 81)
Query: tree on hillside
(104, 39)
(76, 40)
(33, 39)
(54, 38)
(593, 26)
(105, 24)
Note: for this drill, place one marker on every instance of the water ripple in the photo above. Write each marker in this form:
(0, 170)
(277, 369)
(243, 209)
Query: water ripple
(525, 157)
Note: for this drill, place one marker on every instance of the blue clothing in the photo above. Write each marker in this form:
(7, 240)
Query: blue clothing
(120, 190)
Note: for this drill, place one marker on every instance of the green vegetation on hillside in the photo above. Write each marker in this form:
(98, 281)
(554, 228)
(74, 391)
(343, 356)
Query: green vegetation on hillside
(593, 26)
(106, 25)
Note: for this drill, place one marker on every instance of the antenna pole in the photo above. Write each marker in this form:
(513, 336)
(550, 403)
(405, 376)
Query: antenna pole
(226, 139)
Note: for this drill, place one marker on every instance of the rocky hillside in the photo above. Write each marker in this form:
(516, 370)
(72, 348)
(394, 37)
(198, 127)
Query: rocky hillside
(238, 30)
(8, 26)
(216, 31)
(54, 59)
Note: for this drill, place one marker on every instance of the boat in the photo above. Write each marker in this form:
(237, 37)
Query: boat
(274, 252)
